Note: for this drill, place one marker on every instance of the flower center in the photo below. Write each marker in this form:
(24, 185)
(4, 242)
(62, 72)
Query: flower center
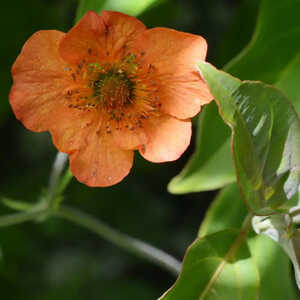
(124, 90)
(113, 89)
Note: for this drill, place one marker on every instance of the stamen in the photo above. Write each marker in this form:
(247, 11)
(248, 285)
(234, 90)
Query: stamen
(124, 90)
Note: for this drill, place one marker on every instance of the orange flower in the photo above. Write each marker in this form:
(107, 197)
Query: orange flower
(107, 87)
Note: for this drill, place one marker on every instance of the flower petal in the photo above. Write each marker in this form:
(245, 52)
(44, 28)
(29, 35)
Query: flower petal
(173, 56)
(83, 38)
(39, 80)
(168, 138)
(121, 31)
(101, 162)
(70, 127)
(129, 133)
(95, 159)
(129, 139)
(99, 38)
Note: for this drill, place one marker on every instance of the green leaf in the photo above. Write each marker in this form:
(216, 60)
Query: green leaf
(130, 7)
(274, 266)
(274, 44)
(239, 31)
(266, 138)
(218, 266)
(228, 211)
(201, 173)
(273, 56)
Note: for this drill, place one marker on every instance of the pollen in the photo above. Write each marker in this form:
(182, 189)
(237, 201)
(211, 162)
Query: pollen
(122, 90)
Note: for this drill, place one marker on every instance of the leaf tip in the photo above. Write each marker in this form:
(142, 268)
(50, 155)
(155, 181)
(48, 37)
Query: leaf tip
(203, 68)
(172, 186)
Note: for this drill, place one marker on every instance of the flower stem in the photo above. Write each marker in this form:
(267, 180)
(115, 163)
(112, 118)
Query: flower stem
(21, 217)
(65, 180)
(52, 207)
(57, 169)
(124, 241)
(57, 181)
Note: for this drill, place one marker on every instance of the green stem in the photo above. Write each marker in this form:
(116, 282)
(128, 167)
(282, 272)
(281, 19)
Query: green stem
(21, 217)
(58, 167)
(57, 182)
(64, 182)
(52, 207)
(124, 241)
(61, 188)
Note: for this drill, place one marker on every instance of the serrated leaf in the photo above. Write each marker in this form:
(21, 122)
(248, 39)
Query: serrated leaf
(218, 266)
(265, 138)
(273, 56)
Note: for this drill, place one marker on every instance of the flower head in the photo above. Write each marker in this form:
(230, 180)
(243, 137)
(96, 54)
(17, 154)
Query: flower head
(108, 87)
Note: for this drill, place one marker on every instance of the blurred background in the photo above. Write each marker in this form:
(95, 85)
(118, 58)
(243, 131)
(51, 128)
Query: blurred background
(59, 260)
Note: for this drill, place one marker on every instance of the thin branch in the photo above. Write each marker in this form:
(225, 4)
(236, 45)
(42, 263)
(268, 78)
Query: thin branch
(21, 217)
(124, 241)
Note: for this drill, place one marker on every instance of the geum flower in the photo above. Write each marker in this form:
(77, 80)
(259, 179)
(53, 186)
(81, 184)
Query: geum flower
(107, 87)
